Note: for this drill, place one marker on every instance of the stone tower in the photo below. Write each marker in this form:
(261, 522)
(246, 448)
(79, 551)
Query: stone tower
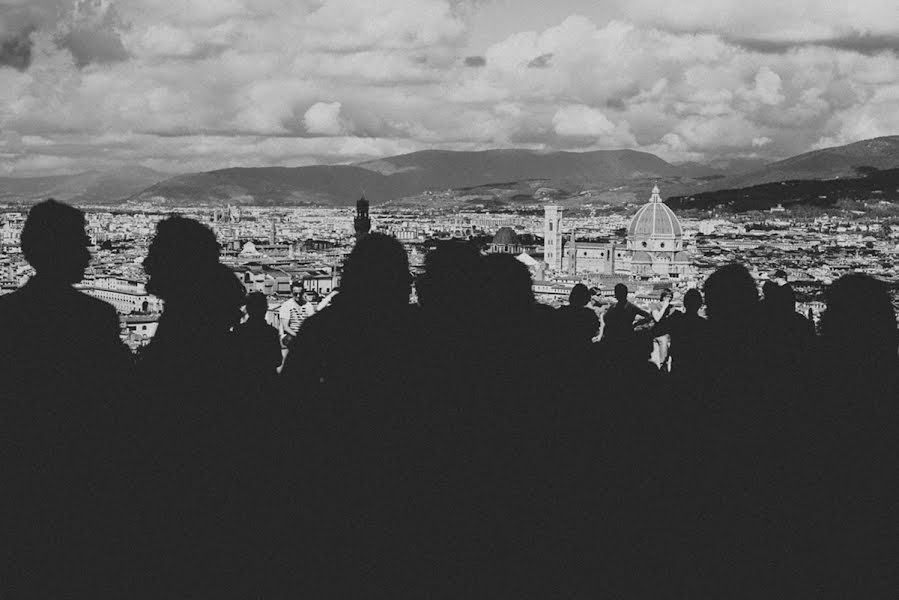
(362, 222)
(552, 238)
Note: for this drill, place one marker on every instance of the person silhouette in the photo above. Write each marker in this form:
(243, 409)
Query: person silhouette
(786, 338)
(732, 354)
(206, 436)
(63, 393)
(352, 376)
(577, 322)
(619, 319)
(856, 417)
(688, 331)
(55, 338)
(257, 343)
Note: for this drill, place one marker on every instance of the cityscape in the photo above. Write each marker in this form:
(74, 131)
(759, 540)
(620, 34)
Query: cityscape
(449, 299)
(269, 248)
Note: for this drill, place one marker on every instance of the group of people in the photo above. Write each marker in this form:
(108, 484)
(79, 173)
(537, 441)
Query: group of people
(475, 443)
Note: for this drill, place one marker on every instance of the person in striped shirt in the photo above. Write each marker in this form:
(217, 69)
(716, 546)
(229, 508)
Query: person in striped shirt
(291, 314)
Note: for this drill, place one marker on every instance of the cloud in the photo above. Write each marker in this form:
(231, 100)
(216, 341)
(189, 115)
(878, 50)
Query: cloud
(93, 46)
(323, 118)
(304, 81)
(797, 21)
(542, 61)
(581, 121)
(15, 51)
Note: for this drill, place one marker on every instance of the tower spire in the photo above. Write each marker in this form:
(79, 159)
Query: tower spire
(362, 222)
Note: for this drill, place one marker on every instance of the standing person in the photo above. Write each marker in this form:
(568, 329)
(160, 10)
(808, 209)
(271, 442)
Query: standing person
(687, 331)
(619, 319)
(257, 342)
(205, 438)
(352, 375)
(578, 320)
(62, 375)
(661, 343)
(290, 315)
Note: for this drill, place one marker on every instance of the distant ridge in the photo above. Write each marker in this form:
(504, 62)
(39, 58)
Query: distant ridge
(826, 163)
(90, 187)
(609, 172)
(408, 174)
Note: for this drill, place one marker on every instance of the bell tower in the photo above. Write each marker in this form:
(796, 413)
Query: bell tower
(361, 222)
(552, 237)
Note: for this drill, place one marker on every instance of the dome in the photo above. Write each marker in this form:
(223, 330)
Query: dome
(655, 220)
(641, 256)
(682, 257)
(506, 236)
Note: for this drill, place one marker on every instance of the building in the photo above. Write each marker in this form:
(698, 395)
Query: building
(655, 241)
(362, 222)
(127, 296)
(506, 242)
(654, 247)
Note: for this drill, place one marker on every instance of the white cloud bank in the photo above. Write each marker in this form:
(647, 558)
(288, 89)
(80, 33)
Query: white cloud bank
(200, 84)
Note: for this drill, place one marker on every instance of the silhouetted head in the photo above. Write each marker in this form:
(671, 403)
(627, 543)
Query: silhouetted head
(580, 295)
(453, 276)
(221, 297)
(257, 305)
(620, 292)
(54, 243)
(779, 299)
(182, 252)
(769, 291)
(509, 286)
(730, 294)
(376, 273)
(692, 301)
(860, 319)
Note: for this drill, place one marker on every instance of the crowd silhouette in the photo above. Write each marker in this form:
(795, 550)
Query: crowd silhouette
(474, 444)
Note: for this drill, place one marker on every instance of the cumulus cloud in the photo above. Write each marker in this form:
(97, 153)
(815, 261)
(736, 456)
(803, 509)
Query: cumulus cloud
(579, 121)
(15, 51)
(323, 118)
(210, 84)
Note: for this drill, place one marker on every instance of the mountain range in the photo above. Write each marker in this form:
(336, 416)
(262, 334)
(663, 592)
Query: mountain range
(605, 172)
(91, 187)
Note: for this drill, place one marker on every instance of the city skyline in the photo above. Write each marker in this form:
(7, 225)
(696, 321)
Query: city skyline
(205, 85)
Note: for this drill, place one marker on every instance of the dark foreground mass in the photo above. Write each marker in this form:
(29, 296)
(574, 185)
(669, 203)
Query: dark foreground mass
(454, 448)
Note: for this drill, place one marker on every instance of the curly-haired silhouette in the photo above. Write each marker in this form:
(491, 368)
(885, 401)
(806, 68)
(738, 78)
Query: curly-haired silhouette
(207, 433)
(63, 371)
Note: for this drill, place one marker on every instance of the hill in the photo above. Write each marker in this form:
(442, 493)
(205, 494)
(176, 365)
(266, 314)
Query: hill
(91, 187)
(827, 163)
(872, 185)
(408, 175)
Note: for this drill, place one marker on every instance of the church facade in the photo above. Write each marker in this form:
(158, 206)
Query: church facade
(654, 246)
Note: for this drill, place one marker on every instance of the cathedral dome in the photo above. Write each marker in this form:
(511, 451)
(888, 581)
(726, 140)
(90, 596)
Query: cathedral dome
(655, 221)
(506, 236)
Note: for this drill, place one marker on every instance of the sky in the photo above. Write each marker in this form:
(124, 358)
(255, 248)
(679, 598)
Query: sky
(195, 85)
